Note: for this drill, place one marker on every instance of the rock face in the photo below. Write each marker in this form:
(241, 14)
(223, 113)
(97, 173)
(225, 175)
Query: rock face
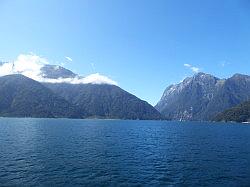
(104, 101)
(55, 72)
(203, 96)
(23, 97)
(240, 113)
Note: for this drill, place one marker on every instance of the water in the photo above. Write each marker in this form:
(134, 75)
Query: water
(63, 152)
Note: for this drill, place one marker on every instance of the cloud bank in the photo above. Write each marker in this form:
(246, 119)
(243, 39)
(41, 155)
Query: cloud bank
(194, 69)
(30, 65)
(90, 79)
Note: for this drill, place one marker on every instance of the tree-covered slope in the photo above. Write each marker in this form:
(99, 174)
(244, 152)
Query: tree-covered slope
(23, 97)
(240, 113)
(105, 101)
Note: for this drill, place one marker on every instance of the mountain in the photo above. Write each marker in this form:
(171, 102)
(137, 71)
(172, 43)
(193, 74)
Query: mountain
(234, 91)
(203, 96)
(21, 96)
(55, 72)
(104, 101)
(240, 113)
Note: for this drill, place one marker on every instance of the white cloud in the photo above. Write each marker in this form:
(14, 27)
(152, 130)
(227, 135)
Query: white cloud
(90, 79)
(98, 79)
(6, 69)
(30, 65)
(194, 69)
(69, 59)
(187, 65)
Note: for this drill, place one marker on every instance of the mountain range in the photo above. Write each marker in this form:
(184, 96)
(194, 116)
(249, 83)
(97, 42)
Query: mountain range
(21, 96)
(203, 96)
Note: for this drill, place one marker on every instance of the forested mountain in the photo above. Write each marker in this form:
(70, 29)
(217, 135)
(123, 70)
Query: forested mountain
(21, 96)
(240, 113)
(104, 101)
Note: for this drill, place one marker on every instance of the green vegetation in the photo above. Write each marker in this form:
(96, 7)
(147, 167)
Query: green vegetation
(23, 97)
(105, 101)
(240, 113)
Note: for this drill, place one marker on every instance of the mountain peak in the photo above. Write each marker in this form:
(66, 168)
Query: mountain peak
(238, 75)
(55, 72)
(203, 75)
(40, 70)
(202, 96)
(201, 78)
(16, 78)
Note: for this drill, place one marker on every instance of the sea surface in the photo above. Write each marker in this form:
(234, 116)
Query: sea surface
(64, 152)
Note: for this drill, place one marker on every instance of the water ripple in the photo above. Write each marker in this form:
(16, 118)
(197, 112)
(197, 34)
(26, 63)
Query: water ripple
(49, 152)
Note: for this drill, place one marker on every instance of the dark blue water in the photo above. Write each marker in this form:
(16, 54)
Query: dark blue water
(62, 152)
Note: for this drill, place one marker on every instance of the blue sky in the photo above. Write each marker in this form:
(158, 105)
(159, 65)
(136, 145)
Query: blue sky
(141, 44)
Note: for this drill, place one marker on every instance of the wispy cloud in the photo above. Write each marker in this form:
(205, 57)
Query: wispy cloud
(193, 68)
(224, 63)
(187, 65)
(93, 66)
(69, 59)
(30, 65)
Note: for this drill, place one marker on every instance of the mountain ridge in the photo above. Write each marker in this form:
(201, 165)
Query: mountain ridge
(105, 101)
(203, 96)
(56, 72)
(21, 96)
(200, 97)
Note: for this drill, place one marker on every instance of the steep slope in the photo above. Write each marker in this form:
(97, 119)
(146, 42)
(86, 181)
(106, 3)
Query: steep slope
(105, 101)
(23, 97)
(188, 100)
(234, 91)
(240, 113)
(203, 96)
(55, 72)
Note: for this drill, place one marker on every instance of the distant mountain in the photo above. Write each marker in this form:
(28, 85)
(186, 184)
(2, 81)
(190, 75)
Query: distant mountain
(234, 91)
(55, 72)
(23, 97)
(240, 113)
(104, 101)
(203, 96)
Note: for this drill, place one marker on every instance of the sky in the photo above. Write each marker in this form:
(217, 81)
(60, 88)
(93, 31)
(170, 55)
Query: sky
(143, 45)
